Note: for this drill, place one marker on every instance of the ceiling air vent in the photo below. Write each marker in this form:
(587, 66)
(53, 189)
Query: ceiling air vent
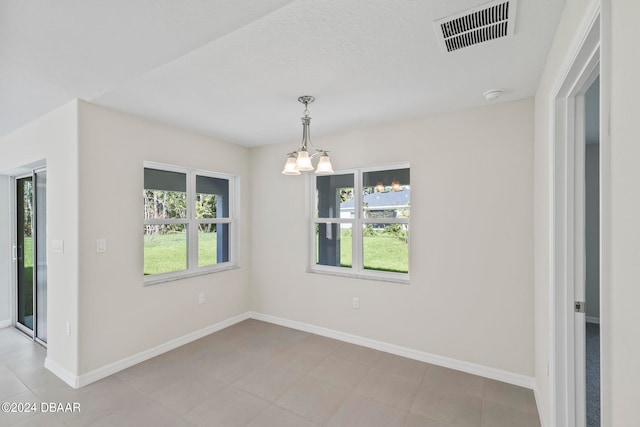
(478, 25)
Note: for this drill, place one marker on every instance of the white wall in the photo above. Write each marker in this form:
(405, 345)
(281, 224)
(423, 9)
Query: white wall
(620, 316)
(471, 239)
(119, 316)
(54, 137)
(5, 251)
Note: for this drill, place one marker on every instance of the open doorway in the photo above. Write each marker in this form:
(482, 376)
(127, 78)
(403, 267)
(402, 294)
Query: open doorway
(592, 253)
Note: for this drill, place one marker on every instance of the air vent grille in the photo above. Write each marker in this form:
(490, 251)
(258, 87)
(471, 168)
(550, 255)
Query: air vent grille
(476, 26)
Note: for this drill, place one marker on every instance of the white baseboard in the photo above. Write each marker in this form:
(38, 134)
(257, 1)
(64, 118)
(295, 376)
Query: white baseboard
(66, 376)
(110, 369)
(459, 365)
(591, 319)
(5, 323)
(536, 395)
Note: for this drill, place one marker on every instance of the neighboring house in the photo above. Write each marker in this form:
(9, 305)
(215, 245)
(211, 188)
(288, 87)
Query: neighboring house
(389, 204)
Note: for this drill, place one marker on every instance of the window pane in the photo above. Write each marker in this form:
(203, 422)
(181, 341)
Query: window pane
(155, 179)
(386, 194)
(333, 244)
(386, 247)
(165, 248)
(165, 194)
(213, 244)
(334, 196)
(212, 197)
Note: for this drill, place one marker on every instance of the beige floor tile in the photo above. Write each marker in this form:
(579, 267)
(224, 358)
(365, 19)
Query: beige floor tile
(281, 333)
(268, 382)
(313, 399)
(202, 348)
(10, 384)
(357, 353)
(496, 415)
(235, 336)
(229, 407)
(411, 369)
(42, 419)
(281, 377)
(99, 400)
(275, 416)
(233, 366)
(510, 395)
(264, 347)
(204, 358)
(360, 411)
(319, 344)
(34, 377)
(186, 393)
(341, 372)
(143, 413)
(298, 359)
(440, 378)
(278, 332)
(153, 374)
(391, 389)
(448, 406)
(17, 414)
(34, 359)
(414, 420)
(16, 345)
(57, 391)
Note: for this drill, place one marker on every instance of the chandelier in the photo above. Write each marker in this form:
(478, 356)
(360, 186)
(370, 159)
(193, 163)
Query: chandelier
(300, 160)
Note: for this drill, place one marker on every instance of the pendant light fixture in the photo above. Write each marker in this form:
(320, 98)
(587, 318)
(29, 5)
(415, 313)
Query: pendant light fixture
(300, 160)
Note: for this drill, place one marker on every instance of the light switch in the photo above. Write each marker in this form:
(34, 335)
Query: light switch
(101, 245)
(57, 246)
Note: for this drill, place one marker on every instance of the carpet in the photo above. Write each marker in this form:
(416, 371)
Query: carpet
(593, 375)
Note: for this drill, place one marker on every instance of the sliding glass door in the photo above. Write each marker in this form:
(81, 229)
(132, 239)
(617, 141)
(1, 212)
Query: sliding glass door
(30, 254)
(24, 273)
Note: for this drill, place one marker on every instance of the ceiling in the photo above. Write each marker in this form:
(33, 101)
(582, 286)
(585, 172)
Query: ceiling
(234, 69)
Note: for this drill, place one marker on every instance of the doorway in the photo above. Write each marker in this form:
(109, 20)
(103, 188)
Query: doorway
(592, 253)
(30, 254)
(570, 242)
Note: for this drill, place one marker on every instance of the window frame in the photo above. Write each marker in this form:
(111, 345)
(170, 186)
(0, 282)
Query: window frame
(192, 222)
(358, 221)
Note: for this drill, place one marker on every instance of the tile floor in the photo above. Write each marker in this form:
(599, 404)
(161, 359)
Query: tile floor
(258, 374)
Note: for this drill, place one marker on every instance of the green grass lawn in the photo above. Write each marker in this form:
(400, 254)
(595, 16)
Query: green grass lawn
(168, 252)
(382, 252)
(26, 290)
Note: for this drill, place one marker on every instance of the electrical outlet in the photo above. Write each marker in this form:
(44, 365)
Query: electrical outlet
(356, 302)
(200, 298)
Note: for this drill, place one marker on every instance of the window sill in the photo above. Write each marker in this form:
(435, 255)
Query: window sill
(374, 277)
(154, 280)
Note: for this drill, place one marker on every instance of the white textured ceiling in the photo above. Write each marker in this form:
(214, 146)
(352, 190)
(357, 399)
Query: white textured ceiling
(234, 69)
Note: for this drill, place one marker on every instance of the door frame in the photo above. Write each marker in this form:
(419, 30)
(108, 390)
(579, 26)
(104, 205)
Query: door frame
(567, 225)
(25, 172)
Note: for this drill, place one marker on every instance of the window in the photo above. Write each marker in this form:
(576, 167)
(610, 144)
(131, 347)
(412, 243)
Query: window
(360, 223)
(188, 223)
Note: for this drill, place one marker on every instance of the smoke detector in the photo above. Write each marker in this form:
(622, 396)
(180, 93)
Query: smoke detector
(493, 94)
(477, 25)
